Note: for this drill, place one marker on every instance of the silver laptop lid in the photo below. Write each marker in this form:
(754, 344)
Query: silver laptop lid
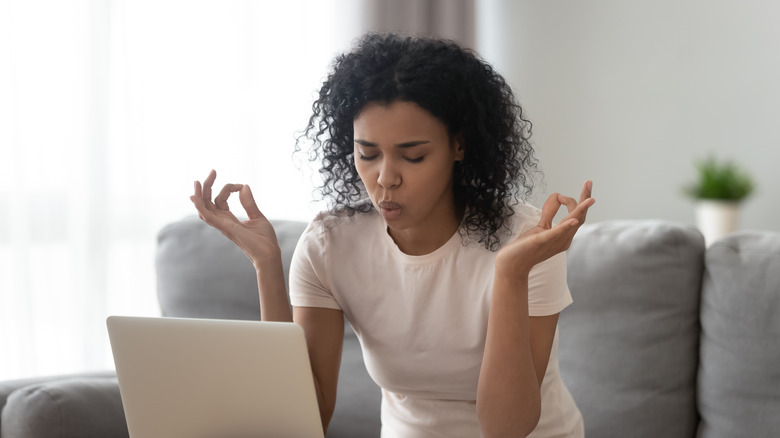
(191, 378)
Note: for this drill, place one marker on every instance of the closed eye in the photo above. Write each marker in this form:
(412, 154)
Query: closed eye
(366, 158)
(414, 160)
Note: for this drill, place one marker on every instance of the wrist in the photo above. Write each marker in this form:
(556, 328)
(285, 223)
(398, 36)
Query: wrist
(269, 260)
(511, 268)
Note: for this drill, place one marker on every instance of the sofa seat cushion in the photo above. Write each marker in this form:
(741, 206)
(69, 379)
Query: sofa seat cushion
(739, 373)
(629, 343)
(67, 408)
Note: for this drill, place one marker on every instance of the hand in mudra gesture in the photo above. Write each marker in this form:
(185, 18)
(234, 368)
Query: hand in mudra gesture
(255, 236)
(545, 240)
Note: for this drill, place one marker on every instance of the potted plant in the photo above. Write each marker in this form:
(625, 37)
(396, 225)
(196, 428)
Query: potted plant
(719, 191)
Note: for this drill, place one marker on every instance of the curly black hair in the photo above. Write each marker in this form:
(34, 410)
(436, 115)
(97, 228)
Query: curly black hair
(457, 87)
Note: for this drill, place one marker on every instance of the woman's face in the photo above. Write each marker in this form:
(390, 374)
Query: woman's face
(404, 156)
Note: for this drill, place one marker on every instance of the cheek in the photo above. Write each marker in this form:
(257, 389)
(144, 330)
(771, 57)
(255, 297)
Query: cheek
(363, 172)
(430, 182)
(440, 177)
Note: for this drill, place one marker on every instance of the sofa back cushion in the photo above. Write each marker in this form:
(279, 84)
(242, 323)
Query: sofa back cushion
(629, 342)
(739, 372)
(202, 274)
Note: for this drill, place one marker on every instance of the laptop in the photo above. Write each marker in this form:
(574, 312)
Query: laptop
(205, 378)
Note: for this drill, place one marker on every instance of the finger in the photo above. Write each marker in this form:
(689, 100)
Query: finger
(549, 209)
(581, 211)
(208, 212)
(571, 223)
(205, 201)
(561, 229)
(587, 190)
(570, 228)
(221, 200)
(248, 201)
(560, 236)
(570, 203)
(207, 183)
(208, 216)
(199, 202)
(198, 191)
(200, 205)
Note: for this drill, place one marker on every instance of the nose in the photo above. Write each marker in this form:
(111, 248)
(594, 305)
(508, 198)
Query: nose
(388, 175)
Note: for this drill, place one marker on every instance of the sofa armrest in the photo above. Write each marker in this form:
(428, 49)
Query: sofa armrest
(63, 407)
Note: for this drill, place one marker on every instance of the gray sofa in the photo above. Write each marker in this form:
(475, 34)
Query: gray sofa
(665, 338)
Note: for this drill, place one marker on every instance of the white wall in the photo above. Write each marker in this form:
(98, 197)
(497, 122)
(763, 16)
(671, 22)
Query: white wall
(631, 93)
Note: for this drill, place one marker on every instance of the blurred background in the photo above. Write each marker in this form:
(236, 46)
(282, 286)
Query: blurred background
(110, 109)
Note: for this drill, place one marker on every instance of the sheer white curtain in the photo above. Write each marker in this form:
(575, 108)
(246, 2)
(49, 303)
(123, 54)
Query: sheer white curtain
(109, 110)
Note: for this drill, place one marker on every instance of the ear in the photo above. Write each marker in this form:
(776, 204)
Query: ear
(460, 147)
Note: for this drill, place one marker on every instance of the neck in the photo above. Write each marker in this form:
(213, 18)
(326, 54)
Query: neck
(424, 240)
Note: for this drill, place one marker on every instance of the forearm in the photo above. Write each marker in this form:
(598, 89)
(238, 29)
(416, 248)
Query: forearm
(274, 305)
(508, 395)
(324, 330)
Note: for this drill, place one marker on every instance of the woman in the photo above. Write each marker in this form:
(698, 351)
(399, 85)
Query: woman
(452, 286)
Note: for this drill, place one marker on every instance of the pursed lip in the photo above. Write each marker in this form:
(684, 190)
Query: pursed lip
(387, 205)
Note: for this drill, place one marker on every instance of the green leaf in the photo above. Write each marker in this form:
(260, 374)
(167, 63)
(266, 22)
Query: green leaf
(718, 180)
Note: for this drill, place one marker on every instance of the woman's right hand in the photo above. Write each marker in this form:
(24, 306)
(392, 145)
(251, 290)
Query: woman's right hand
(255, 236)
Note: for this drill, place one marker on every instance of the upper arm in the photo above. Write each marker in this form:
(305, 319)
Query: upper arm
(548, 294)
(324, 330)
(542, 334)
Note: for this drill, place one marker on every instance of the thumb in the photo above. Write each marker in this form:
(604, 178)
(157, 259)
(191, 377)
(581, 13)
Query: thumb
(249, 204)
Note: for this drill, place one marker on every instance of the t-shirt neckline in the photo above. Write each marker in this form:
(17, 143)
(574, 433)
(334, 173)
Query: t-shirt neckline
(447, 248)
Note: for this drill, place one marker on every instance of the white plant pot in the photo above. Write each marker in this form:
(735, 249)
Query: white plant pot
(716, 219)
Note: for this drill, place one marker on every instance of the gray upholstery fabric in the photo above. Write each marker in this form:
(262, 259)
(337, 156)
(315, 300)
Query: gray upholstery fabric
(629, 343)
(77, 407)
(739, 374)
(358, 400)
(202, 274)
(8, 387)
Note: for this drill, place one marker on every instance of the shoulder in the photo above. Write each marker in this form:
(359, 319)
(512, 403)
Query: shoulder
(334, 237)
(524, 217)
(341, 227)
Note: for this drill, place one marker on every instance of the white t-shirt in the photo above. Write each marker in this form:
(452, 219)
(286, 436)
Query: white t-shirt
(422, 320)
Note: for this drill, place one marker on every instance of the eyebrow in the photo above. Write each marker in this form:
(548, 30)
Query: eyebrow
(408, 144)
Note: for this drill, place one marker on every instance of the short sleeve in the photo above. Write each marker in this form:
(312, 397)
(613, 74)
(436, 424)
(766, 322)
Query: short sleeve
(309, 279)
(548, 291)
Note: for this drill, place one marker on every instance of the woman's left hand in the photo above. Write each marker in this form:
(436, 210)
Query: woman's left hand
(545, 240)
